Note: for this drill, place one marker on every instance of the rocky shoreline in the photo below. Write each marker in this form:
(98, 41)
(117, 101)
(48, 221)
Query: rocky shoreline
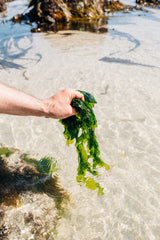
(54, 15)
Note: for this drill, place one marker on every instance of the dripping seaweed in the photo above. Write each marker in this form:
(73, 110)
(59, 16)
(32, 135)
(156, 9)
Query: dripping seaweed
(81, 130)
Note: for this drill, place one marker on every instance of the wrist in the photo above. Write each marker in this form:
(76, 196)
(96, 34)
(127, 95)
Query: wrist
(46, 108)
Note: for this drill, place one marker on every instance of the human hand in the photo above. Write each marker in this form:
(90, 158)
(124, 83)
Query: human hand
(59, 105)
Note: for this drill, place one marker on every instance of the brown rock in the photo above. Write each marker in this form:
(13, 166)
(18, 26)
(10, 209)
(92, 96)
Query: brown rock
(148, 3)
(2, 6)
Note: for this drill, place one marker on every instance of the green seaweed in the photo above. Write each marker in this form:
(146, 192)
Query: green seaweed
(45, 182)
(81, 129)
(45, 166)
(5, 152)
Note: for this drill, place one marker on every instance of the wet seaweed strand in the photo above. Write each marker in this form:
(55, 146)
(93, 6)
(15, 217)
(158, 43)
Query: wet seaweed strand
(81, 130)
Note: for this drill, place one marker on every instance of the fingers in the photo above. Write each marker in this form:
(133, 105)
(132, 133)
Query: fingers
(77, 94)
(59, 105)
(73, 111)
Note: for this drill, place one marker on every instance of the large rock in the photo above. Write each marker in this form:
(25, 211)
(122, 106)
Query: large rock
(52, 12)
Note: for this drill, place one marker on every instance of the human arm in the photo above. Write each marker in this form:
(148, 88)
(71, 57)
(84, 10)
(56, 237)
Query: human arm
(16, 102)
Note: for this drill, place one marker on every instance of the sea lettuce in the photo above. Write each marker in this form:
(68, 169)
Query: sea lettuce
(81, 130)
(45, 166)
(5, 152)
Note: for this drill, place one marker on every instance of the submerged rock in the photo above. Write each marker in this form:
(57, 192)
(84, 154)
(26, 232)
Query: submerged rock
(2, 6)
(31, 200)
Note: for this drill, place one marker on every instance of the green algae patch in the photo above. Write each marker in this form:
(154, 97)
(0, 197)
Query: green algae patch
(80, 129)
(25, 181)
(46, 180)
(5, 152)
(30, 174)
(46, 165)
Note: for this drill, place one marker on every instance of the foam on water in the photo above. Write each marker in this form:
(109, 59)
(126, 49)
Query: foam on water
(121, 69)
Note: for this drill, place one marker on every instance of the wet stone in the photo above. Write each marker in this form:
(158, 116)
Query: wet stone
(2, 6)
(1, 213)
(102, 30)
(28, 217)
(31, 200)
(4, 231)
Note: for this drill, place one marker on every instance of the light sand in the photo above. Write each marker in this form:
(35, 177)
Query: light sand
(121, 69)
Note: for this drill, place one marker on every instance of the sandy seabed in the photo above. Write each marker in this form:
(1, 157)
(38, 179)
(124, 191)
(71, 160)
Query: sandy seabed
(121, 69)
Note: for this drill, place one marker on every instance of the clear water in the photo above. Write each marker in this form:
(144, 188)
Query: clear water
(121, 69)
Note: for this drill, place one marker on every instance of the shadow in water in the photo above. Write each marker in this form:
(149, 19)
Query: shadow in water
(129, 37)
(5, 64)
(125, 61)
(15, 42)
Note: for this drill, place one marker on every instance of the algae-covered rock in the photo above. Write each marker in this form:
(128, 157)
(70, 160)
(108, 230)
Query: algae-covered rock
(31, 199)
(53, 15)
(47, 14)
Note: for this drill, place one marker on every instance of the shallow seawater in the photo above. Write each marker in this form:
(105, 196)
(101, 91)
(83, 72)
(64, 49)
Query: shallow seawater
(121, 68)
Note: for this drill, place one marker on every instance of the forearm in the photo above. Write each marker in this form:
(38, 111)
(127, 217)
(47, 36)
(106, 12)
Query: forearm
(13, 101)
